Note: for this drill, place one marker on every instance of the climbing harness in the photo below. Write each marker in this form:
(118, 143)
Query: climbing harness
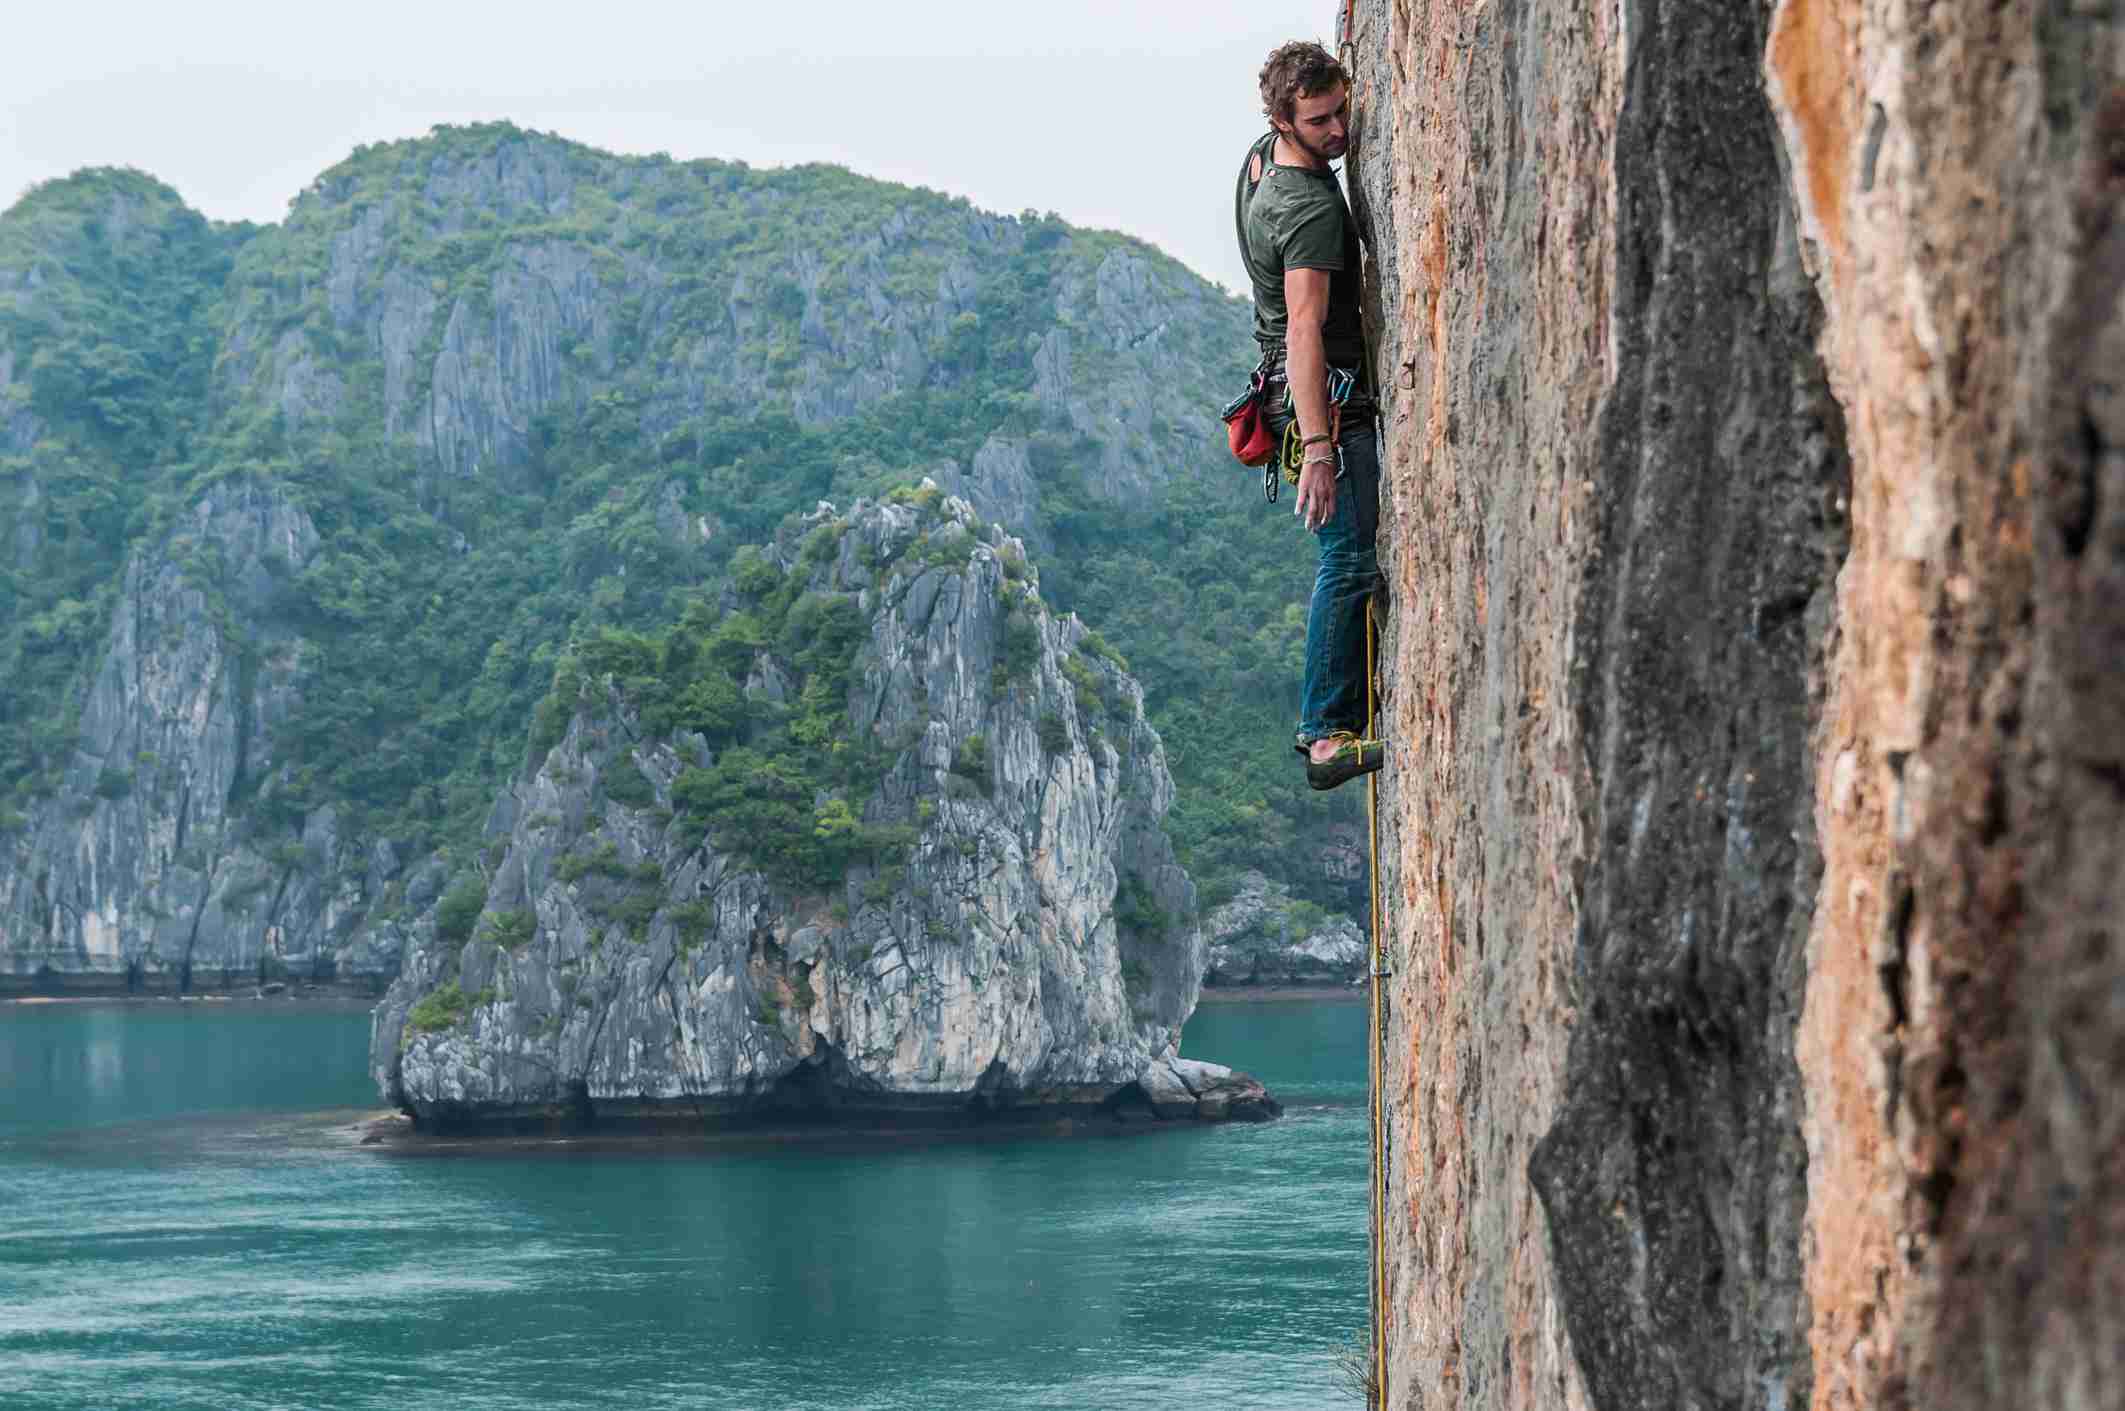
(1342, 389)
(1378, 1045)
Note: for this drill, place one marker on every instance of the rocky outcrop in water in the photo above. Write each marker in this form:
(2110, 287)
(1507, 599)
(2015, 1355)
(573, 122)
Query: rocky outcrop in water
(1753, 861)
(1263, 937)
(1010, 932)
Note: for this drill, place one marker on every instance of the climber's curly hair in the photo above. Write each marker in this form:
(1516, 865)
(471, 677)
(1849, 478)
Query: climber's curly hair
(1297, 70)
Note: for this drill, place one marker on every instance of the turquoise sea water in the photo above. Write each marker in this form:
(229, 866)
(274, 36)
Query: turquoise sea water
(183, 1223)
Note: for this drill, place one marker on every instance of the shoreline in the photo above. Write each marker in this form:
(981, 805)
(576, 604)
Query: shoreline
(322, 998)
(1270, 994)
(390, 1132)
(292, 999)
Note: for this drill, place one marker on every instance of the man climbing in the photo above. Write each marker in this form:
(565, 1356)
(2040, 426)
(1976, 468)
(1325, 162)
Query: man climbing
(1300, 247)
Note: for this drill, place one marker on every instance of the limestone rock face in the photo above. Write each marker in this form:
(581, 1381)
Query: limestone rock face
(139, 871)
(1613, 475)
(1964, 218)
(1753, 858)
(999, 483)
(1037, 946)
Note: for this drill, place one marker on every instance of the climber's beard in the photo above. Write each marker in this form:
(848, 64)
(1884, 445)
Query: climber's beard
(1331, 151)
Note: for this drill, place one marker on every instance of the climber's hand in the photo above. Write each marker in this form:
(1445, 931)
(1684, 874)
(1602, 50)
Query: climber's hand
(1317, 494)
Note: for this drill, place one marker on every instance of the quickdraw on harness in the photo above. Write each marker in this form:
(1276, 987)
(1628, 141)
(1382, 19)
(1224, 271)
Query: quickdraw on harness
(1342, 386)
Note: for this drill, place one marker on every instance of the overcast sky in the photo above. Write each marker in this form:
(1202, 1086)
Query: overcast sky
(1131, 116)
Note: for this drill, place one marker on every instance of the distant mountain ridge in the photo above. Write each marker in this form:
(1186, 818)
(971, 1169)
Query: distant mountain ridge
(298, 521)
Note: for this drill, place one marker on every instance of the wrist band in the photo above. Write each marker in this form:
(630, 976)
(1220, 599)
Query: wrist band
(1317, 436)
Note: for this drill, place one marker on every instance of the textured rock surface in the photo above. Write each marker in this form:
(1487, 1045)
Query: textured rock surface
(998, 972)
(140, 870)
(1721, 714)
(1261, 937)
(1961, 180)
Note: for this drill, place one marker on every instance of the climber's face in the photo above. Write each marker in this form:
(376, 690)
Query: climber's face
(1320, 124)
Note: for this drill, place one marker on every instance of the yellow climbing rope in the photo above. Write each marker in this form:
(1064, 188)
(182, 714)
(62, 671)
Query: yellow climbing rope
(1379, 1035)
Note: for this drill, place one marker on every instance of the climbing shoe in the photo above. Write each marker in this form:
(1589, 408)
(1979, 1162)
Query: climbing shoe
(1352, 757)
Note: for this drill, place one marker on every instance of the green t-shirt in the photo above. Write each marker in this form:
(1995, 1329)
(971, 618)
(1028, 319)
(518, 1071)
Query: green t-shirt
(1295, 218)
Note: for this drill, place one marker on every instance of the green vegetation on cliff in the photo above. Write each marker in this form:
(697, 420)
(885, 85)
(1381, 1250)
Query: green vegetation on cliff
(786, 784)
(533, 395)
(107, 290)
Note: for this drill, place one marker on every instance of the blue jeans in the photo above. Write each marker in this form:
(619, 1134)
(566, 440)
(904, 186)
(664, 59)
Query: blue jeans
(1333, 695)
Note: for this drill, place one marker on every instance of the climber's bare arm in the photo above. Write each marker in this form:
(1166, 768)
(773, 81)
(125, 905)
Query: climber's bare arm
(1306, 306)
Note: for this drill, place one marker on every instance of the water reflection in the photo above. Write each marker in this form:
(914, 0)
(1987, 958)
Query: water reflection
(69, 1064)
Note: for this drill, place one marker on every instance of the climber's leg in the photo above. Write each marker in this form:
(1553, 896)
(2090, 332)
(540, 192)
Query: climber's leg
(1332, 707)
